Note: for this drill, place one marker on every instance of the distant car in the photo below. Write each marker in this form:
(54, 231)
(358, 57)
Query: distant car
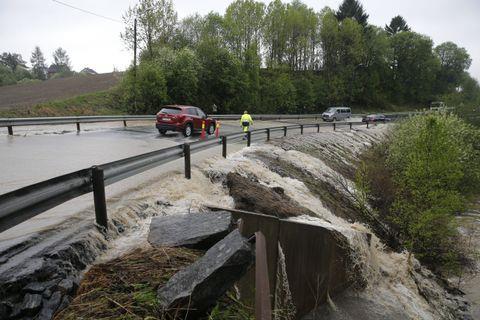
(336, 114)
(185, 119)
(375, 118)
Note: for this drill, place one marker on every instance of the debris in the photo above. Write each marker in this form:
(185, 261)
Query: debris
(252, 196)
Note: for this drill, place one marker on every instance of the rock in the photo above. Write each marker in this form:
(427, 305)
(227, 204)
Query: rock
(66, 286)
(31, 303)
(50, 306)
(252, 196)
(197, 231)
(39, 287)
(5, 309)
(200, 285)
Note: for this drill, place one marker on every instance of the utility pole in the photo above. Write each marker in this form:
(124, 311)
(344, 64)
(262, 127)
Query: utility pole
(135, 64)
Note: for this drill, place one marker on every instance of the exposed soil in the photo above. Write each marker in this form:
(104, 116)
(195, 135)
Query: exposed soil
(30, 94)
(252, 196)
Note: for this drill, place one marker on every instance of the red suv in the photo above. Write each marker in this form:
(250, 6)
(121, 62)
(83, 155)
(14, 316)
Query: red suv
(186, 119)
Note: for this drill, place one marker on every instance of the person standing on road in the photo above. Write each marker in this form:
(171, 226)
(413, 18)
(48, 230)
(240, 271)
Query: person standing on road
(246, 121)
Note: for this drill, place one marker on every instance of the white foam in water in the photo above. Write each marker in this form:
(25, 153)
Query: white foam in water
(387, 273)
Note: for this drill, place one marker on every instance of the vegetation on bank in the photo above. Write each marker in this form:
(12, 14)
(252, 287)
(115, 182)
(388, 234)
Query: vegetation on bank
(424, 173)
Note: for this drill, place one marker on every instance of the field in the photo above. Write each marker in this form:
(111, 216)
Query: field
(32, 94)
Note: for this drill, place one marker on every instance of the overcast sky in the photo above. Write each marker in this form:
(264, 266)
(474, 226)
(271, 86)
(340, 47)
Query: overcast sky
(94, 42)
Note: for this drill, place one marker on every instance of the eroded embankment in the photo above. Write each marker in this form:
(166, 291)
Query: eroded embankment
(307, 178)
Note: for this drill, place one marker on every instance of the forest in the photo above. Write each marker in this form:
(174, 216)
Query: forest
(288, 58)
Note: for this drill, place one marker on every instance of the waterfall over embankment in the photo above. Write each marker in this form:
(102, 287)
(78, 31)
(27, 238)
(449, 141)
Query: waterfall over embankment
(310, 178)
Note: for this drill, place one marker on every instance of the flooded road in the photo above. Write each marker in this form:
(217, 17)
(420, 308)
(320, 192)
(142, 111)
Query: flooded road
(36, 154)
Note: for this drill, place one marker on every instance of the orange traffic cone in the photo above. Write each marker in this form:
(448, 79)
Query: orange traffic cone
(203, 135)
(217, 129)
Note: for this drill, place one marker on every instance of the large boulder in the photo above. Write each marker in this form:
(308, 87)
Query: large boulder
(201, 284)
(196, 231)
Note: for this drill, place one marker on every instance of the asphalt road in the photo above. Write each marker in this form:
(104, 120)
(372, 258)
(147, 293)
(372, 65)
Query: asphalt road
(34, 154)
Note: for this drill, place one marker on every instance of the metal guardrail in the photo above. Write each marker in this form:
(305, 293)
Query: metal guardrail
(16, 122)
(25, 203)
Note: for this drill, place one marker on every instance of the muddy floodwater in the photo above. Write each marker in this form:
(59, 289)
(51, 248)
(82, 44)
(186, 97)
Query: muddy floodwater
(35, 154)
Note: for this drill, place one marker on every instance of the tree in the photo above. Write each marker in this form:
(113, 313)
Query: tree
(397, 24)
(148, 88)
(352, 9)
(181, 70)
(156, 22)
(278, 94)
(243, 23)
(454, 61)
(275, 34)
(189, 32)
(414, 68)
(38, 64)
(12, 61)
(301, 27)
(222, 81)
(61, 60)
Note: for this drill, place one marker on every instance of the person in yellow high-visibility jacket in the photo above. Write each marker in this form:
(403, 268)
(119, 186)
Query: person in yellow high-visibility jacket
(246, 121)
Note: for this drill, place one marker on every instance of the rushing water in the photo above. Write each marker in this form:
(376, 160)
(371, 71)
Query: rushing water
(395, 286)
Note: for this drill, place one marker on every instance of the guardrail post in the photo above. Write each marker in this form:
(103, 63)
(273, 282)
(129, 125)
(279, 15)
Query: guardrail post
(186, 155)
(268, 134)
(318, 127)
(301, 129)
(334, 126)
(367, 124)
(98, 184)
(10, 130)
(224, 146)
(249, 138)
(78, 126)
(284, 131)
(350, 125)
(124, 123)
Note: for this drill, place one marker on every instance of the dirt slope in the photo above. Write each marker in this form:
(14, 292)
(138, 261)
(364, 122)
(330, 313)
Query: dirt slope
(30, 94)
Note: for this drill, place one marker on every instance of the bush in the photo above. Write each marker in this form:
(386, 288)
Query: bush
(148, 92)
(420, 177)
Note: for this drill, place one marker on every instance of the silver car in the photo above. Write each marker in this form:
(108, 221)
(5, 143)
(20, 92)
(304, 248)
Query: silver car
(336, 114)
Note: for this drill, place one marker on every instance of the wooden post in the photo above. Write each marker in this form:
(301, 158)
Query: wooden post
(268, 134)
(124, 123)
(78, 126)
(284, 131)
(318, 127)
(263, 307)
(301, 129)
(334, 126)
(249, 138)
(10, 130)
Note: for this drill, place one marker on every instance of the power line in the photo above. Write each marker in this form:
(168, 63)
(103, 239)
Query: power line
(86, 11)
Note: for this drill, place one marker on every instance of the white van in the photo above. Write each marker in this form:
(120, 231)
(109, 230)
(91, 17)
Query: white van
(336, 114)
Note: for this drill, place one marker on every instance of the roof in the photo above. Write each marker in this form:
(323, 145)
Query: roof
(178, 106)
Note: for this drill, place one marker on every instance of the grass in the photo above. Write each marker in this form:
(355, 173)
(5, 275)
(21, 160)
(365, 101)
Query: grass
(98, 103)
(126, 288)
